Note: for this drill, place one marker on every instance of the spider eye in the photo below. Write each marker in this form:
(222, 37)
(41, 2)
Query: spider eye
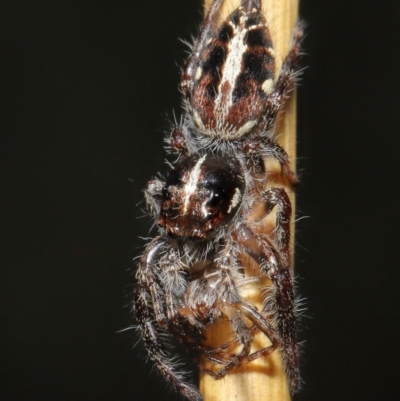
(215, 199)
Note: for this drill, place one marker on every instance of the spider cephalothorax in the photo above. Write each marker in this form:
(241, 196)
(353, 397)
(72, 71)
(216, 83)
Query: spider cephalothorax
(190, 275)
(201, 194)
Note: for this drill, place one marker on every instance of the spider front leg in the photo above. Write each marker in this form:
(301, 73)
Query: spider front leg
(244, 334)
(186, 329)
(148, 309)
(223, 283)
(227, 300)
(244, 338)
(275, 266)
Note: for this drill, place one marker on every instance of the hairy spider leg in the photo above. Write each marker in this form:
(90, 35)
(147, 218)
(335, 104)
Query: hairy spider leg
(286, 78)
(151, 331)
(266, 148)
(249, 5)
(208, 28)
(245, 337)
(275, 197)
(272, 263)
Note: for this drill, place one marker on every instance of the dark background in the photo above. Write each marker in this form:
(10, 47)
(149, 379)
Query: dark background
(85, 88)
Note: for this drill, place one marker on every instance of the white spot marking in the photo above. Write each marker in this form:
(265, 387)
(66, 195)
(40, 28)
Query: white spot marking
(198, 74)
(268, 86)
(235, 200)
(191, 185)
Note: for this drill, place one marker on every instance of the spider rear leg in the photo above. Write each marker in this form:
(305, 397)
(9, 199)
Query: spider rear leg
(208, 28)
(288, 70)
(287, 75)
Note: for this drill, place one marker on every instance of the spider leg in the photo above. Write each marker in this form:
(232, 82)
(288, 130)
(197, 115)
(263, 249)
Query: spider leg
(260, 143)
(178, 139)
(272, 263)
(288, 70)
(200, 299)
(270, 149)
(249, 5)
(279, 198)
(262, 324)
(221, 349)
(153, 196)
(244, 337)
(150, 316)
(182, 322)
(184, 330)
(286, 77)
(209, 26)
(229, 303)
(283, 86)
(267, 148)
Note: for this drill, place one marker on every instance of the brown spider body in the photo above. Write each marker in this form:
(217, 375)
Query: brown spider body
(191, 274)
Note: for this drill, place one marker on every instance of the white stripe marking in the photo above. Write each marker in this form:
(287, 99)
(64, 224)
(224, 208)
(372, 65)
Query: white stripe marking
(244, 129)
(232, 68)
(235, 200)
(191, 185)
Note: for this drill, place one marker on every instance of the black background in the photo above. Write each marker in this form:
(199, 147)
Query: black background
(85, 88)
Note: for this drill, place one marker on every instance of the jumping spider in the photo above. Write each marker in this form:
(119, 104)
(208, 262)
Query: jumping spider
(190, 275)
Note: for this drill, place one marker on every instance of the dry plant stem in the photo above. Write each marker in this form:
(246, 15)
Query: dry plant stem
(264, 378)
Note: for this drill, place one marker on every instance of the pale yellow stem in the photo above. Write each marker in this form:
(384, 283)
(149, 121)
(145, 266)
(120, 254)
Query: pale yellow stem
(264, 378)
